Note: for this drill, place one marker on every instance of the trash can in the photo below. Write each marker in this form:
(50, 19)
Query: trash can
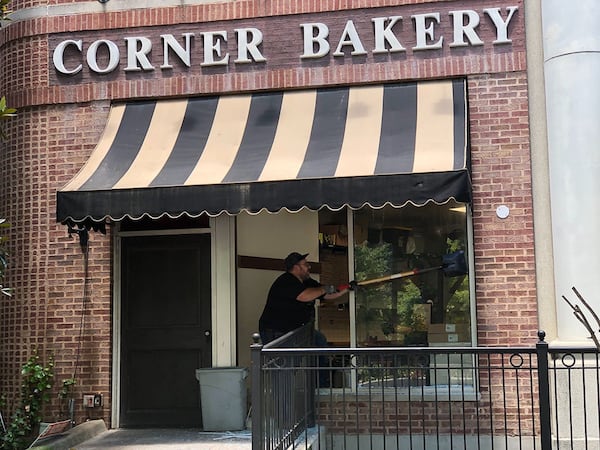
(223, 398)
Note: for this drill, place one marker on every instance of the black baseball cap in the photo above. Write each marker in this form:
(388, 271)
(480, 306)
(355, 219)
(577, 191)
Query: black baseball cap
(294, 258)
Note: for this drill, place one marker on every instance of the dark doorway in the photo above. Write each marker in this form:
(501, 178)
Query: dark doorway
(165, 328)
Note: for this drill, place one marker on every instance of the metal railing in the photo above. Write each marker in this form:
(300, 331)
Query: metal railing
(423, 397)
(284, 406)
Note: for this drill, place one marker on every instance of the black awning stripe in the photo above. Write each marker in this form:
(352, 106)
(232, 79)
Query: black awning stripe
(459, 94)
(327, 134)
(398, 129)
(198, 120)
(127, 143)
(158, 144)
(258, 138)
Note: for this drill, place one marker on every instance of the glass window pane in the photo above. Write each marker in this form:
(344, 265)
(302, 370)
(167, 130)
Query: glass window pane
(415, 287)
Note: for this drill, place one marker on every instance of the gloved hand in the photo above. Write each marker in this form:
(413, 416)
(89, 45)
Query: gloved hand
(329, 289)
(350, 286)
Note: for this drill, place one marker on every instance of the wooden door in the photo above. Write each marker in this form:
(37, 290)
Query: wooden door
(165, 328)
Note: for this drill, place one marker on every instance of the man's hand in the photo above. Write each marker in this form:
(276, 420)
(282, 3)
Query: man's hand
(329, 289)
(350, 286)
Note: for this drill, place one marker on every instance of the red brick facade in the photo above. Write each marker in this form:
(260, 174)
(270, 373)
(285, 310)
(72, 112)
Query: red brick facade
(60, 121)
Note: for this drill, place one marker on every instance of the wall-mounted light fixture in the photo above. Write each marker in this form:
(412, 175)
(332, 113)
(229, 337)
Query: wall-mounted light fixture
(103, 1)
(502, 211)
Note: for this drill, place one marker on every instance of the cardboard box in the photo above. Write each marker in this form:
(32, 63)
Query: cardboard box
(433, 338)
(337, 235)
(335, 324)
(334, 235)
(460, 328)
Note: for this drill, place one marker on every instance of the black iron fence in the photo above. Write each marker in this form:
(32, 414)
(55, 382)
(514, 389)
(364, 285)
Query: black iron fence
(423, 398)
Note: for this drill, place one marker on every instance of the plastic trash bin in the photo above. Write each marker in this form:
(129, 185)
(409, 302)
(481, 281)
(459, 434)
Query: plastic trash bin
(223, 398)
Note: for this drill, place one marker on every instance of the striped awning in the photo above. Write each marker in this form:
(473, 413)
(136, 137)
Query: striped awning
(376, 145)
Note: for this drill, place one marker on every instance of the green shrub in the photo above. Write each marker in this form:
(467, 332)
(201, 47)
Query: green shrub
(35, 392)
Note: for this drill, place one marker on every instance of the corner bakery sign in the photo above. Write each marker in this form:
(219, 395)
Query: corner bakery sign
(316, 40)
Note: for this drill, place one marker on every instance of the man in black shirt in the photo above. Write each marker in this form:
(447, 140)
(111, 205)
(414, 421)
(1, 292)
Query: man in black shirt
(291, 299)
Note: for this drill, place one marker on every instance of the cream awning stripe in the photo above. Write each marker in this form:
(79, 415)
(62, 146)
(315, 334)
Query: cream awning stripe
(157, 146)
(223, 141)
(358, 154)
(292, 136)
(434, 143)
(110, 132)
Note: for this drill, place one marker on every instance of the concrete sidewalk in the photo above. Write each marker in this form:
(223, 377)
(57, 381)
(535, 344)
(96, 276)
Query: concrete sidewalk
(93, 435)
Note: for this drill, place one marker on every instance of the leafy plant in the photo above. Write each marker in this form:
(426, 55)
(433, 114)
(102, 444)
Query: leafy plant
(35, 392)
(371, 262)
(4, 11)
(5, 113)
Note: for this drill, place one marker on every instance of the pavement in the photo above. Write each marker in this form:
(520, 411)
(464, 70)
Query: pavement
(93, 435)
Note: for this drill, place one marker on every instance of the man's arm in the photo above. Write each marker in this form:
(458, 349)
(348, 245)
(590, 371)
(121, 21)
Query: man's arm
(324, 292)
(312, 293)
(340, 291)
(336, 294)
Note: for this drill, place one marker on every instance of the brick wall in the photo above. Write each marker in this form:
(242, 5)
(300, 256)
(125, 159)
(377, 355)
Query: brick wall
(47, 269)
(59, 123)
(379, 417)
(504, 252)
(493, 415)
(280, 25)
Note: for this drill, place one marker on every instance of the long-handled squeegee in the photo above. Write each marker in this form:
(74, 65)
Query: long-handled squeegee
(453, 265)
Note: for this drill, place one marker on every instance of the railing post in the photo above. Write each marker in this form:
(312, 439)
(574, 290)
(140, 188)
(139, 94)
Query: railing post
(544, 391)
(256, 393)
(311, 383)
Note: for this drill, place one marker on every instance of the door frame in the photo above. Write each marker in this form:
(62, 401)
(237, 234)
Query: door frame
(223, 286)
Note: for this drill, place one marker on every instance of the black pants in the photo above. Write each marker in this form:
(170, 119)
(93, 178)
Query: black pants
(269, 335)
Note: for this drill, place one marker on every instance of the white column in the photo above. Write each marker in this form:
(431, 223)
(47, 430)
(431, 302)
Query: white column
(223, 291)
(571, 39)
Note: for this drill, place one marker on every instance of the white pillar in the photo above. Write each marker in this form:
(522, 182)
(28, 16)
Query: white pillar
(571, 39)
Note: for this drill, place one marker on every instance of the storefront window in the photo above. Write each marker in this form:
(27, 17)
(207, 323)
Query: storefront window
(411, 265)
